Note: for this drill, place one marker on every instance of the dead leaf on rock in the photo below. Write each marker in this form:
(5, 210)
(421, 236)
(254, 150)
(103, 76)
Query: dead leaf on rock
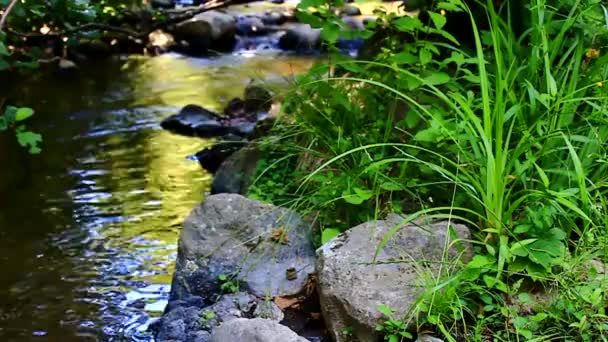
(286, 302)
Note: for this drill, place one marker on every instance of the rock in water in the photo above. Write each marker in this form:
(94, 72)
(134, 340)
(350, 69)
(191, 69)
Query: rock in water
(208, 30)
(250, 26)
(350, 10)
(190, 321)
(301, 38)
(254, 330)
(257, 99)
(256, 243)
(212, 157)
(351, 288)
(234, 176)
(193, 120)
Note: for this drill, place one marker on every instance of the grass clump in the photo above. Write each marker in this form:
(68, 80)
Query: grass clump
(507, 133)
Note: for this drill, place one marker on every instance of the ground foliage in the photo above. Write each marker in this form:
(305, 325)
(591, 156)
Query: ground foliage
(506, 132)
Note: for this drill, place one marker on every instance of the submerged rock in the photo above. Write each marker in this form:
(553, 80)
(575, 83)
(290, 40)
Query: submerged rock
(301, 38)
(254, 330)
(189, 321)
(257, 99)
(253, 242)
(234, 176)
(250, 26)
(351, 287)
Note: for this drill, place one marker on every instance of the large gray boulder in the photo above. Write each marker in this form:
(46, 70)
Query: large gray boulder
(194, 120)
(189, 321)
(351, 287)
(266, 250)
(208, 30)
(254, 330)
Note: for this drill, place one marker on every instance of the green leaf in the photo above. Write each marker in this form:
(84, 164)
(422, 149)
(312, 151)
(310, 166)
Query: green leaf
(408, 24)
(31, 139)
(4, 64)
(425, 56)
(480, 261)
(438, 20)
(385, 310)
(3, 123)
(393, 338)
(392, 186)
(330, 32)
(404, 58)
(328, 234)
(437, 78)
(23, 113)
(358, 197)
(3, 50)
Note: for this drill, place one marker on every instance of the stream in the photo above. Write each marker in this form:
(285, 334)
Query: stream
(89, 227)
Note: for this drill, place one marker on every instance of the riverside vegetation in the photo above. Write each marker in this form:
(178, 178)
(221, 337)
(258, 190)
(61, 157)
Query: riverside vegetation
(506, 132)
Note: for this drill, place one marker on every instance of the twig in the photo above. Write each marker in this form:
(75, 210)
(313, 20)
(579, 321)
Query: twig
(7, 11)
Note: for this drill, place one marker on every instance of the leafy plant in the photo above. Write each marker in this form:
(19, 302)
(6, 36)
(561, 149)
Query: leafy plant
(13, 118)
(394, 330)
(227, 285)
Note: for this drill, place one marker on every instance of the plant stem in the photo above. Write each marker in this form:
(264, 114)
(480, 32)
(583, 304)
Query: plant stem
(7, 11)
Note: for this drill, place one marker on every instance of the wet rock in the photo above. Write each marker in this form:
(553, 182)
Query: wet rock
(234, 176)
(257, 99)
(253, 242)
(188, 322)
(254, 330)
(273, 18)
(161, 40)
(250, 26)
(211, 158)
(301, 38)
(350, 10)
(194, 120)
(208, 30)
(350, 288)
(428, 338)
(277, 2)
(162, 3)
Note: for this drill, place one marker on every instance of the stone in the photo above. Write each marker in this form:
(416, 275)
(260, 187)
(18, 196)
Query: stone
(162, 3)
(211, 158)
(273, 18)
(234, 176)
(253, 242)
(350, 10)
(428, 338)
(301, 38)
(257, 99)
(277, 2)
(194, 120)
(351, 287)
(188, 320)
(250, 26)
(161, 40)
(208, 30)
(254, 330)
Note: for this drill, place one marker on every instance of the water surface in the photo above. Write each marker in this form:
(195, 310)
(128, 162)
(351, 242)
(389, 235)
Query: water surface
(88, 228)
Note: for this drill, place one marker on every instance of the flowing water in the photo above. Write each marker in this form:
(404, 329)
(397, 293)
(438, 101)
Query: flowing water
(89, 228)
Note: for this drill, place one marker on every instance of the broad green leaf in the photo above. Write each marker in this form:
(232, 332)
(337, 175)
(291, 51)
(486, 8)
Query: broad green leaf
(328, 234)
(480, 261)
(385, 310)
(23, 113)
(408, 24)
(3, 123)
(437, 78)
(425, 56)
(358, 197)
(330, 32)
(392, 186)
(404, 58)
(31, 139)
(438, 20)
